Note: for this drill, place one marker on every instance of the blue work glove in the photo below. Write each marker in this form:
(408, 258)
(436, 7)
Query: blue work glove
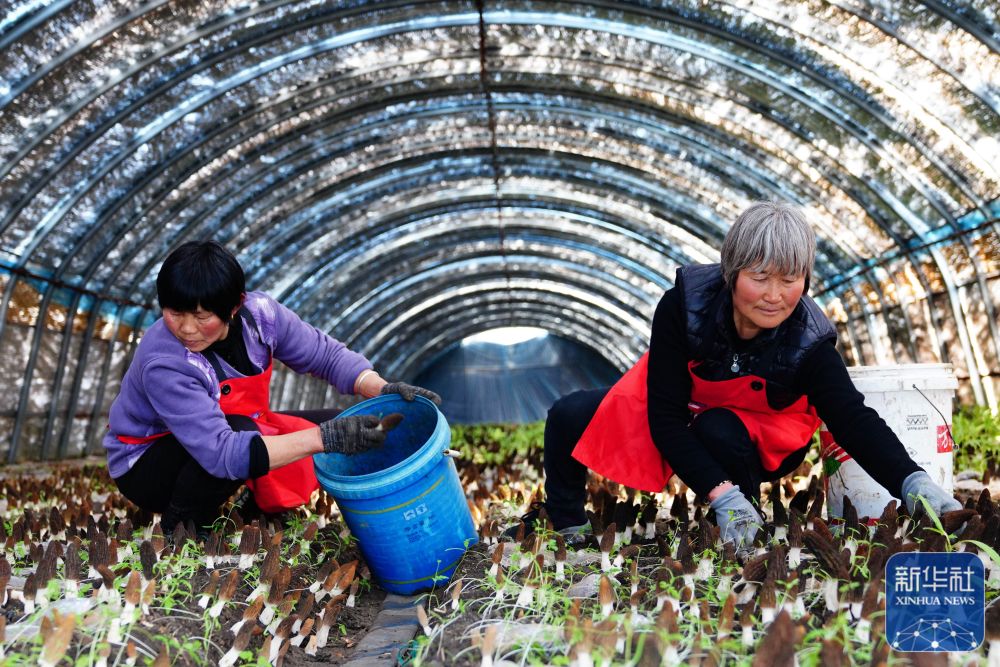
(920, 484)
(351, 435)
(737, 518)
(409, 392)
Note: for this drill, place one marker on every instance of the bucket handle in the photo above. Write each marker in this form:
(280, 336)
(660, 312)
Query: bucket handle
(944, 421)
(451, 453)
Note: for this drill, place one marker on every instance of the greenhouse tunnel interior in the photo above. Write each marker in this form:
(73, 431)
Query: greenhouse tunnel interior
(406, 175)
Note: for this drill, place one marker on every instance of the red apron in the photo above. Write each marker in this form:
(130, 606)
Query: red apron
(617, 443)
(290, 485)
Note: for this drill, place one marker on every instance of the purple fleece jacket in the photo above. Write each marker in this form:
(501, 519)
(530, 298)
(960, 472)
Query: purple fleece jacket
(168, 388)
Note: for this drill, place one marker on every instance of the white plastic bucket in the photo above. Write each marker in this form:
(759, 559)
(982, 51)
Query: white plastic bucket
(921, 419)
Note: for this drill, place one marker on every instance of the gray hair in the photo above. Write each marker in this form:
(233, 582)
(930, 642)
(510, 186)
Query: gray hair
(769, 235)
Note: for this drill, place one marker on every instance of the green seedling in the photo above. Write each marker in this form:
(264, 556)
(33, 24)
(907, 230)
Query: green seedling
(976, 431)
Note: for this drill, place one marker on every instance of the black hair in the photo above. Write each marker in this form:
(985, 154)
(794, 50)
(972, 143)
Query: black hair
(201, 273)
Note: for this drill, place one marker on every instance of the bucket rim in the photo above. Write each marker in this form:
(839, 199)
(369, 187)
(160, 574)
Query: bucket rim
(889, 371)
(903, 377)
(400, 470)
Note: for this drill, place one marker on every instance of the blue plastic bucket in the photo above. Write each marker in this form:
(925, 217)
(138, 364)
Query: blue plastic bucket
(403, 501)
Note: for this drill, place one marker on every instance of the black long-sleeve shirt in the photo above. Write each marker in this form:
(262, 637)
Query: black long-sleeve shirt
(822, 378)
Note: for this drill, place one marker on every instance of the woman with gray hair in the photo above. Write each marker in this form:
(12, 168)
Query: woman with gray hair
(740, 371)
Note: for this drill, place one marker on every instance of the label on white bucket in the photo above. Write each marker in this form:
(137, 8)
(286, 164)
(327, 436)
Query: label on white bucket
(915, 400)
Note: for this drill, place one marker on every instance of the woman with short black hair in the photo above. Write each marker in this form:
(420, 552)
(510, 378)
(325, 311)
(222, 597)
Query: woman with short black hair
(201, 274)
(192, 420)
(741, 368)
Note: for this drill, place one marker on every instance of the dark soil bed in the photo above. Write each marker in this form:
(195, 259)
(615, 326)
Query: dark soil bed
(48, 509)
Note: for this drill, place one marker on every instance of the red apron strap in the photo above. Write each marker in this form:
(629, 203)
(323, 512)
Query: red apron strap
(131, 440)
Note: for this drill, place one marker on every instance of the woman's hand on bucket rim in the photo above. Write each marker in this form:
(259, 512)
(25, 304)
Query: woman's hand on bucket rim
(409, 392)
(351, 435)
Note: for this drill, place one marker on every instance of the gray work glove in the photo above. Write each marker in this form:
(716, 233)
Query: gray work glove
(409, 392)
(737, 518)
(351, 435)
(920, 484)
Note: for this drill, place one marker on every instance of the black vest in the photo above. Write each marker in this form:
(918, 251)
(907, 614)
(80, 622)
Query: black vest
(774, 354)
